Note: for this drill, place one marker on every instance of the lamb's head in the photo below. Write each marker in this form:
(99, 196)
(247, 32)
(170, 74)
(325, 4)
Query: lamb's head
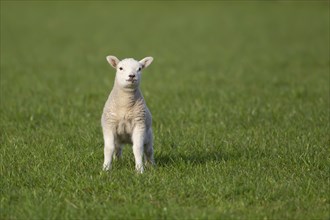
(128, 73)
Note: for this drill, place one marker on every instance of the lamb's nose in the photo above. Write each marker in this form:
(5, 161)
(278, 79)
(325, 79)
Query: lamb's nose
(131, 76)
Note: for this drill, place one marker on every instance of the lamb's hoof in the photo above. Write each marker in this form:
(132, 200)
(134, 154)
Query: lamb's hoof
(139, 169)
(116, 157)
(106, 167)
(150, 164)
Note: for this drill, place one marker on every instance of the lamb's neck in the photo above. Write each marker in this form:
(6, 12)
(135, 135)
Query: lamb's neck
(127, 97)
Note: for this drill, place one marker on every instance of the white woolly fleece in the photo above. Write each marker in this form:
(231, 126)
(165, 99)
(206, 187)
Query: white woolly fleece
(126, 117)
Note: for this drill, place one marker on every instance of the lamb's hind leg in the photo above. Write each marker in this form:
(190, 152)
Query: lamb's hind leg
(118, 151)
(149, 154)
(149, 149)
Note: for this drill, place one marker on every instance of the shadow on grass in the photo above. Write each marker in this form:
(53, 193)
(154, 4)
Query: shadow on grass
(193, 158)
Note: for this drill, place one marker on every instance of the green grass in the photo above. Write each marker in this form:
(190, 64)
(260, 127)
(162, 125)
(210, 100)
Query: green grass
(239, 94)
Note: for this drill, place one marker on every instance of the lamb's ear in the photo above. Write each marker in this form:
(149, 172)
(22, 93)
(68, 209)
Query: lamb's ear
(146, 61)
(113, 61)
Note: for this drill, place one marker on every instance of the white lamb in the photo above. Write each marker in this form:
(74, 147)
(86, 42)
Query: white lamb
(126, 117)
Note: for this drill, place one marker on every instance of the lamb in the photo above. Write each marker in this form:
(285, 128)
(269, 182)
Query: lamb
(126, 118)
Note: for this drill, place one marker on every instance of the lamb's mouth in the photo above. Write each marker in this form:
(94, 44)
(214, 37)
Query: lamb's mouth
(131, 80)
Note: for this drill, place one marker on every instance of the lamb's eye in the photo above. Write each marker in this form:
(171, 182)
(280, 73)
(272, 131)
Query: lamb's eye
(139, 68)
(120, 68)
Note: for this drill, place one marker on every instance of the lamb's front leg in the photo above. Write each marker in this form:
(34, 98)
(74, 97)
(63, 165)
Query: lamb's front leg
(138, 145)
(109, 148)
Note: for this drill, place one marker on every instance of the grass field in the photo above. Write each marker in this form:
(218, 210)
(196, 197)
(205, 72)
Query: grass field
(239, 94)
